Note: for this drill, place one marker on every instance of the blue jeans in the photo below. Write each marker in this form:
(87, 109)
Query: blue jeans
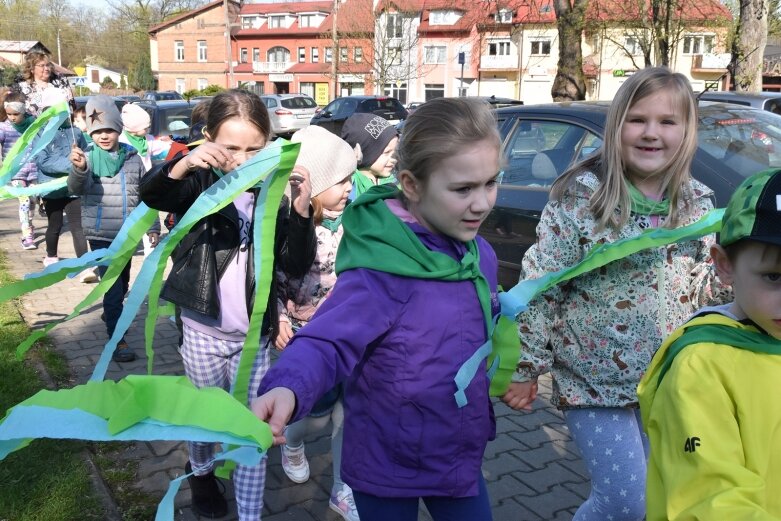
(475, 508)
(114, 298)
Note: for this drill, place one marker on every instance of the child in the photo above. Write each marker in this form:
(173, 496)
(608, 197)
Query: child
(597, 333)
(107, 177)
(714, 432)
(374, 141)
(213, 277)
(80, 122)
(415, 290)
(330, 163)
(10, 130)
(52, 163)
(136, 123)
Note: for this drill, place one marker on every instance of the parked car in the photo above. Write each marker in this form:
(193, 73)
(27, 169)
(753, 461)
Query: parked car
(334, 114)
(540, 141)
(762, 100)
(81, 101)
(169, 118)
(411, 107)
(498, 102)
(289, 112)
(130, 98)
(159, 95)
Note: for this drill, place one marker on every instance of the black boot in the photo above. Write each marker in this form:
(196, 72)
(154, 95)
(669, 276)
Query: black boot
(208, 501)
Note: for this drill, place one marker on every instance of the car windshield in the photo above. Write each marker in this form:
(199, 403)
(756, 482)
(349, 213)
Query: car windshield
(743, 139)
(175, 120)
(299, 103)
(372, 105)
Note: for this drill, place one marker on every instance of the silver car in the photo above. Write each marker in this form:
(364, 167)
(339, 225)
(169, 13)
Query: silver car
(289, 112)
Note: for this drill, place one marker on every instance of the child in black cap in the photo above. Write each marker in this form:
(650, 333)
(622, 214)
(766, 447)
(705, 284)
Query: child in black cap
(374, 141)
(707, 399)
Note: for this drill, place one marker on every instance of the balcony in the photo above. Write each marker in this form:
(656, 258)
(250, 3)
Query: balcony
(499, 62)
(270, 67)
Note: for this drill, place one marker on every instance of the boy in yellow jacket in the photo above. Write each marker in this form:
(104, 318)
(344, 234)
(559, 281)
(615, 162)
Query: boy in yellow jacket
(709, 400)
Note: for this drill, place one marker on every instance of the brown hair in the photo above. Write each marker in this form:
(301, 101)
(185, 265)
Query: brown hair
(237, 103)
(31, 58)
(200, 111)
(608, 164)
(441, 128)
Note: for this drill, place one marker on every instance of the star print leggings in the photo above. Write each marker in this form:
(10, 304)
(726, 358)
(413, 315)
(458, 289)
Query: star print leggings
(615, 450)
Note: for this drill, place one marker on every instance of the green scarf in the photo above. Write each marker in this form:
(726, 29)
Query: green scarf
(362, 182)
(106, 164)
(374, 238)
(332, 224)
(752, 340)
(24, 125)
(643, 205)
(138, 142)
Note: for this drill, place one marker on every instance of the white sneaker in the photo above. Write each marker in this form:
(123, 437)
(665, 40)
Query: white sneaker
(342, 503)
(48, 261)
(89, 275)
(295, 464)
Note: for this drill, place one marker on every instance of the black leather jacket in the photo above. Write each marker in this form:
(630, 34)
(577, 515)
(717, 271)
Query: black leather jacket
(202, 256)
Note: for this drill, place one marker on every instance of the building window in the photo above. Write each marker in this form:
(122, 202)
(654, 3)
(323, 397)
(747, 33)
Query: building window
(504, 16)
(396, 90)
(343, 54)
(499, 49)
(307, 88)
(394, 56)
(255, 54)
(444, 17)
(179, 50)
(243, 55)
(301, 54)
(540, 48)
(250, 22)
(632, 45)
(278, 55)
(201, 50)
(395, 25)
(434, 54)
(358, 54)
(202, 83)
(180, 85)
(306, 20)
(329, 54)
(436, 90)
(698, 44)
(315, 53)
(275, 22)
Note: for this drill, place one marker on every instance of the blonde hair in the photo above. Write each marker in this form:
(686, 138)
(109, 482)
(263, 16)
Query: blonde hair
(441, 128)
(608, 163)
(31, 59)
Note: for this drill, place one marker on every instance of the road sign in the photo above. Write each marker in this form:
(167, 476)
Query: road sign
(80, 81)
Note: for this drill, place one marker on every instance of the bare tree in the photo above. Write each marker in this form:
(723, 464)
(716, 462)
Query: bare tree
(748, 45)
(570, 82)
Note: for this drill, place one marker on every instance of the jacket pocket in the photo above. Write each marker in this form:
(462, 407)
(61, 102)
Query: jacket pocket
(408, 442)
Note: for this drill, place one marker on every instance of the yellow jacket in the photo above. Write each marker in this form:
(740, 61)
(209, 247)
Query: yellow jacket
(714, 423)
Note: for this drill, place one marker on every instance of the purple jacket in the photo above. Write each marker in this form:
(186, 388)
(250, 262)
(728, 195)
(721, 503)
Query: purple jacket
(397, 344)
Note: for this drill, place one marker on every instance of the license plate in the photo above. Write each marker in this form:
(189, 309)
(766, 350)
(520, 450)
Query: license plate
(304, 116)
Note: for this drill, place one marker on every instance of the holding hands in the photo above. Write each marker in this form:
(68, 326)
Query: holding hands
(275, 408)
(521, 395)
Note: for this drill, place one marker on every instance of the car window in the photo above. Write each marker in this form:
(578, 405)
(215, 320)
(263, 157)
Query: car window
(537, 152)
(269, 102)
(745, 140)
(299, 103)
(773, 105)
(176, 120)
(334, 106)
(346, 108)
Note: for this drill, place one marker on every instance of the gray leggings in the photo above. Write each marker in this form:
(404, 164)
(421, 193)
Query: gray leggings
(615, 450)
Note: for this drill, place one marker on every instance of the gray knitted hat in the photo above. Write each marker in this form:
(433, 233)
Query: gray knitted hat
(103, 114)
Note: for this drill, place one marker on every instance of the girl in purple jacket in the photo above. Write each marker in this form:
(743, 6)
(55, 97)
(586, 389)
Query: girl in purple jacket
(415, 293)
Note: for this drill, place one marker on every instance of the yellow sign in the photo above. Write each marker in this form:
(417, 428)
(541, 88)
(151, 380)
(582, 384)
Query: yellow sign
(321, 94)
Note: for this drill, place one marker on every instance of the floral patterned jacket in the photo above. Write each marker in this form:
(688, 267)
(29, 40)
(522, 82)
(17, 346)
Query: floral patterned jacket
(299, 298)
(597, 333)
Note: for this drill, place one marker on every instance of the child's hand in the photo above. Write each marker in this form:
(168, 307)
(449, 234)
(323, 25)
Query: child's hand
(521, 395)
(154, 238)
(208, 155)
(78, 158)
(300, 190)
(284, 335)
(275, 408)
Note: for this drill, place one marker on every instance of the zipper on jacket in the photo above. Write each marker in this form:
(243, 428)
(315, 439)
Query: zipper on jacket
(124, 193)
(98, 217)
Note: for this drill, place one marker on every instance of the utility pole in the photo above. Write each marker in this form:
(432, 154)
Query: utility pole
(59, 52)
(334, 49)
(228, 53)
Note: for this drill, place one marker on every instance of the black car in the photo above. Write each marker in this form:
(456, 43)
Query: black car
(334, 114)
(162, 95)
(540, 141)
(169, 118)
(81, 101)
(762, 100)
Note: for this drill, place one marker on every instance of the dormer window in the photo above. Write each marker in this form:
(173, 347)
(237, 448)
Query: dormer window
(276, 21)
(504, 16)
(444, 17)
(307, 20)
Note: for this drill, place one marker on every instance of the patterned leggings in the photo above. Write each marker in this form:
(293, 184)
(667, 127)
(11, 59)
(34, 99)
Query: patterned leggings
(615, 450)
(213, 362)
(26, 210)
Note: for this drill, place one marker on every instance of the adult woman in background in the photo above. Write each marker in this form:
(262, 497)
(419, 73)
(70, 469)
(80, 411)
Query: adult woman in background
(37, 76)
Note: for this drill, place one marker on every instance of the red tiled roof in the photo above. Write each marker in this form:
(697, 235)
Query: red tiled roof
(687, 10)
(287, 7)
(310, 68)
(188, 14)
(243, 67)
